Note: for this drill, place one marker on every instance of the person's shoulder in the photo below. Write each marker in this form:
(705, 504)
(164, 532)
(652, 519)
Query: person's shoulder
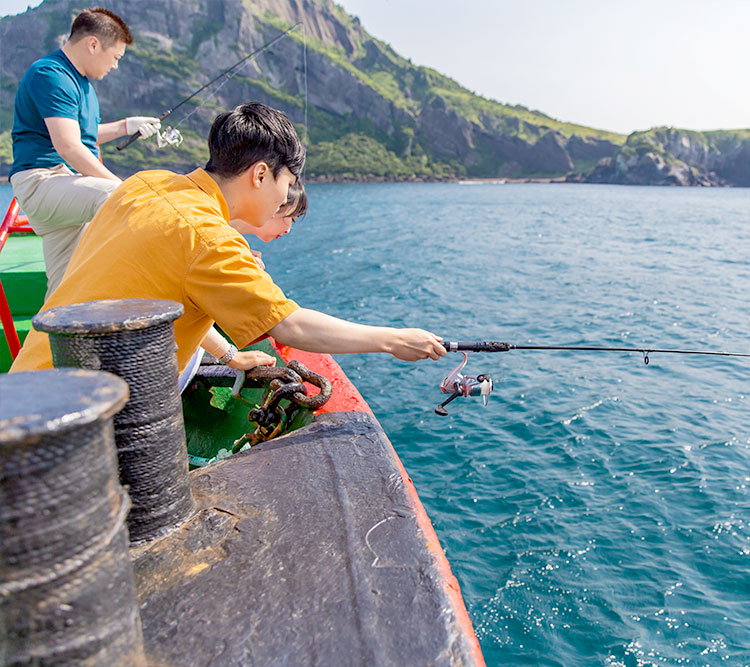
(150, 184)
(183, 198)
(155, 176)
(52, 61)
(165, 182)
(48, 67)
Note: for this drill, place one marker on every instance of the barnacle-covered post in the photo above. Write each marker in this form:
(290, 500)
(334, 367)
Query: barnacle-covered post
(134, 339)
(66, 582)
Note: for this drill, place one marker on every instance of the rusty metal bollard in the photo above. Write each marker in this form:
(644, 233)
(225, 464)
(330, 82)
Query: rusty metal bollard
(67, 594)
(134, 339)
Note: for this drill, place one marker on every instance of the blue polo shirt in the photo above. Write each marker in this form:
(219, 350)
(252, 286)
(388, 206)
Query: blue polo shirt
(51, 88)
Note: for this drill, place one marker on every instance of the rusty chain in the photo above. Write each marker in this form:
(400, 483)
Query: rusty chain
(285, 383)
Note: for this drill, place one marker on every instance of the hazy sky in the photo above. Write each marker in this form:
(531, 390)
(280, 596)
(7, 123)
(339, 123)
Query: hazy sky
(613, 64)
(618, 65)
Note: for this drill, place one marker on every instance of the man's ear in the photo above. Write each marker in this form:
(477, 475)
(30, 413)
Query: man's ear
(92, 42)
(258, 173)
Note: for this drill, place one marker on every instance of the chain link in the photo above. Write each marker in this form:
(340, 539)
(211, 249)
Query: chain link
(270, 417)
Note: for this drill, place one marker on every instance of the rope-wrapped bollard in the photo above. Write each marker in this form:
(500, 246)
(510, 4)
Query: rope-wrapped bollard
(66, 582)
(134, 339)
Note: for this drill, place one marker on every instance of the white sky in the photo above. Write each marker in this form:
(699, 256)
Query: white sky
(618, 65)
(16, 6)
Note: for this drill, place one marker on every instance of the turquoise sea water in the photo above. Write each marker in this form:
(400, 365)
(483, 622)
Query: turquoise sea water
(597, 512)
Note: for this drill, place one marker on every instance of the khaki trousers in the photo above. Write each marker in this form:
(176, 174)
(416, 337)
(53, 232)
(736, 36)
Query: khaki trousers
(59, 205)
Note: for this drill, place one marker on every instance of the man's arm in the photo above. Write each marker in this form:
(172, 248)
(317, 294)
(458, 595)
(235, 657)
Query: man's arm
(66, 138)
(109, 131)
(314, 331)
(146, 125)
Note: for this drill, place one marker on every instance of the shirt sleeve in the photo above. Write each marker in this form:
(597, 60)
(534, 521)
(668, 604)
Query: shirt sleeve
(225, 283)
(54, 94)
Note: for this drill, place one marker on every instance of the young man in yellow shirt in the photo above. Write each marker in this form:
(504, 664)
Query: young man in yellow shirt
(166, 236)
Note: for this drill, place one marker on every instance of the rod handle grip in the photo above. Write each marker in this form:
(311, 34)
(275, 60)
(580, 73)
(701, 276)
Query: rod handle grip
(480, 346)
(131, 139)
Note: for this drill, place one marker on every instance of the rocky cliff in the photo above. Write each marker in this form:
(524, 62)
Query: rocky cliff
(365, 112)
(667, 156)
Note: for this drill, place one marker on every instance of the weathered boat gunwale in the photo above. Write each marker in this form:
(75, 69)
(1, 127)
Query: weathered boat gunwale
(307, 549)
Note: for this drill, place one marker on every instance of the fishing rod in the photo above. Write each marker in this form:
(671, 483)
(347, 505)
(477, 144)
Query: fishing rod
(457, 384)
(497, 346)
(136, 135)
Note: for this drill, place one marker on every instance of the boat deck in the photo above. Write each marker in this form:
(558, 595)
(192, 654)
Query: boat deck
(308, 549)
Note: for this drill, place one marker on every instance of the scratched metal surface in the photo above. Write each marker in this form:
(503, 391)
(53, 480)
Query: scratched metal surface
(306, 550)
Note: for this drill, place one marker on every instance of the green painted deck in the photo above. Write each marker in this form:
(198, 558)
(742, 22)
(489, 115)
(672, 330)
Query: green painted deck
(24, 282)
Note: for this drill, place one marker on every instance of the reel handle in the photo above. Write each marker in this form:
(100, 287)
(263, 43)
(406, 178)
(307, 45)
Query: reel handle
(440, 409)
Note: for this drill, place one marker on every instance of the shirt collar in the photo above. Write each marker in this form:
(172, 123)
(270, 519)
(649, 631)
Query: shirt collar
(202, 179)
(61, 54)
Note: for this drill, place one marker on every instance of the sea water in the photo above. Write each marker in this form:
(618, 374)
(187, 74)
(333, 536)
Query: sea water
(597, 511)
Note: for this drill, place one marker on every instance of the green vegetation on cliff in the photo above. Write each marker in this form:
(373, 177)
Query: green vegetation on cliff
(396, 79)
(358, 156)
(6, 150)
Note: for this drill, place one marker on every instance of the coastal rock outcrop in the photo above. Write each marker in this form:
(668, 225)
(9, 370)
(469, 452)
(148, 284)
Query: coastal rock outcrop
(646, 169)
(668, 156)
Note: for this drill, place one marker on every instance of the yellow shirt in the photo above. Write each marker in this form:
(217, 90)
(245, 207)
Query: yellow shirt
(165, 236)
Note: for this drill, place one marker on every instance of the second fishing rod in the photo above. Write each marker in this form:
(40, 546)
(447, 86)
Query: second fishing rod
(226, 73)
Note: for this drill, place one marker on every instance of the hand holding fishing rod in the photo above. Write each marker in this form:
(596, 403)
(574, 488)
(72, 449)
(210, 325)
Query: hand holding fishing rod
(148, 126)
(457, 384)
(140, 126)
(171, 138)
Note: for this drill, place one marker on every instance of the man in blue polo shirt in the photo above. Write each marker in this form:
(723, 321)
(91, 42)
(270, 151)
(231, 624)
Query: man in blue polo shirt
(57, 176)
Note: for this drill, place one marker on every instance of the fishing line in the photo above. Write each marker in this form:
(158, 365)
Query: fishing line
(227, 73)
(239, 69)
(227, 77)
(304, 65)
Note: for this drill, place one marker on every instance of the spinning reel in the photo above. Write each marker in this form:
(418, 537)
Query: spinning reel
(170, 136)
(456, 384)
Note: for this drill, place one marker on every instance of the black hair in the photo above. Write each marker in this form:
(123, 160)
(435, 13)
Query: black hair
(101, 23)
(251, 133)
(296, 201)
